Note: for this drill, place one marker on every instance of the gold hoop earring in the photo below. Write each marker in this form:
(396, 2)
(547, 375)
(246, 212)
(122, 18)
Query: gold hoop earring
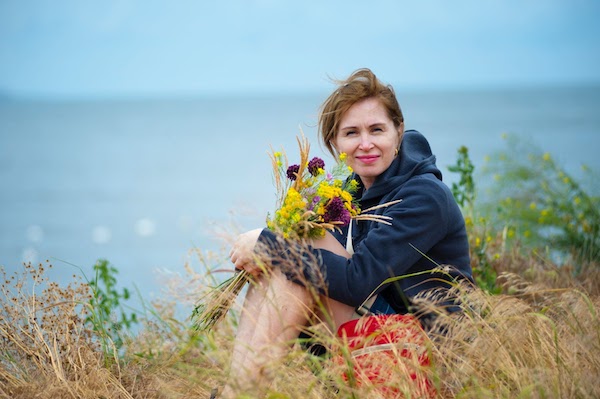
(396, 153)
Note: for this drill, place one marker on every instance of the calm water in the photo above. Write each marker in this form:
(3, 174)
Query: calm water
(142, 182)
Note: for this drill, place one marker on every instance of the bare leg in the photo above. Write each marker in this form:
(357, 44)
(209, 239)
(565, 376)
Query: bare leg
(336, 313)
(274, 310)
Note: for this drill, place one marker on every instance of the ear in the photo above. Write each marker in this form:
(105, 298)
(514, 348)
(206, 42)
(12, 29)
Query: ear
(400, 132)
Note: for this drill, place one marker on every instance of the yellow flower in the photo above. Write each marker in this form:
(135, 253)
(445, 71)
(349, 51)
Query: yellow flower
(350, 169)
(320, 233)
(352, 185)
(577, 200)
(532, 206)
(352, 211)
(546, 157)
(343, 156)
(468, 221)
(346, 196)
(325, 191)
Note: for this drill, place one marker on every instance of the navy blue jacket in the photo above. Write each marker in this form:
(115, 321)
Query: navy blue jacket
(427, 221)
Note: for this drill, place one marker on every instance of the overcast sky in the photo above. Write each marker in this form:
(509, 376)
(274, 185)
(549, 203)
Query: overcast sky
(79, 48)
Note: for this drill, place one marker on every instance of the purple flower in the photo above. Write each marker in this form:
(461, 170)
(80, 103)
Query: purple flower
(292, 172)
(315, 201)
(314, 165)
(335, 211)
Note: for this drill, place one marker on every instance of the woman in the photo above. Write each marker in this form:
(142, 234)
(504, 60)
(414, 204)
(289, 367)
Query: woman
(362, 119)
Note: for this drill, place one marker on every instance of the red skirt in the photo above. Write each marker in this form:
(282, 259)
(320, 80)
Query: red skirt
(387, 352)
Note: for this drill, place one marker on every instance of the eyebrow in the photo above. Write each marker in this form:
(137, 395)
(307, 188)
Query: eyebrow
(370, 126)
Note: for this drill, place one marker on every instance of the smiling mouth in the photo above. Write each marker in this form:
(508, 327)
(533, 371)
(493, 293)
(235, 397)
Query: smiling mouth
(368, 158)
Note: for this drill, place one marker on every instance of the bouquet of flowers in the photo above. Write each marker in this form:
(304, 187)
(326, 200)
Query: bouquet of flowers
(310, 201)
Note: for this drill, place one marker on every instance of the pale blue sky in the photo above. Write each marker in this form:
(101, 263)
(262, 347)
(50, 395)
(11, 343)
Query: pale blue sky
(77, 48)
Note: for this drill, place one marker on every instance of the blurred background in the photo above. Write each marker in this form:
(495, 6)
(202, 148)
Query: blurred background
(137, 131)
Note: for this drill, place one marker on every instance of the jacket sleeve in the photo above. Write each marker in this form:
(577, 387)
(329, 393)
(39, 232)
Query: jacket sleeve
(418, 222)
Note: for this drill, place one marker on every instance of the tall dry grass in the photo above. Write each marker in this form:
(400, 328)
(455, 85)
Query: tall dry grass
(540, 338)
(48, 351)
(537, 342)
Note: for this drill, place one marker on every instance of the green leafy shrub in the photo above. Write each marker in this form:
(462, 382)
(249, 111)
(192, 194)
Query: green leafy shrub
(480, 236)
(464, 190)
(543, 205)
(108, 315)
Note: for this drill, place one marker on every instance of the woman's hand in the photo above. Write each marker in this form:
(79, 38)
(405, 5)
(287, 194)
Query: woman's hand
(242, 252)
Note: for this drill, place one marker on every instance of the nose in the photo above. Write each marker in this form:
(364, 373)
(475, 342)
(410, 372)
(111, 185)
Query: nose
(365, 142)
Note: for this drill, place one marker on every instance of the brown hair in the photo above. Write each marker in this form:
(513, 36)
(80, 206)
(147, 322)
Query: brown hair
(362, 84)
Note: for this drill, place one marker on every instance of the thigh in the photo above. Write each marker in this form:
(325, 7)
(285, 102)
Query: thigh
(333, 312)
(274, 302)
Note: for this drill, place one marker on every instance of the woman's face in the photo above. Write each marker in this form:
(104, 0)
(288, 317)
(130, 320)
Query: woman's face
(369, 138)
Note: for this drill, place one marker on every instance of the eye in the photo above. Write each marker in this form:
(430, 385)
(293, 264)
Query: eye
(350, 133)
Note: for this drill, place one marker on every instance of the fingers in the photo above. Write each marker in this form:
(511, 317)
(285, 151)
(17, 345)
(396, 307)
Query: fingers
(236, 258)
(243, 260)
(247, 265)
(242, 252)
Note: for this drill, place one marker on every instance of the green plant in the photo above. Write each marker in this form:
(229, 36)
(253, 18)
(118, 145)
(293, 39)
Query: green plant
(547, 207)
(108, 315)
(465, 193)
(464, 190)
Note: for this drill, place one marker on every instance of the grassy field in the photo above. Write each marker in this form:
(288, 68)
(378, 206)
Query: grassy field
(540, 337)
(530, 330)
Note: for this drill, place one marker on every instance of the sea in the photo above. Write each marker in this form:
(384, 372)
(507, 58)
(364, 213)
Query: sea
(152, 184)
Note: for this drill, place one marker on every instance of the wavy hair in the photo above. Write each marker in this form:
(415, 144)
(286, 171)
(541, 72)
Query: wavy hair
(362, 84)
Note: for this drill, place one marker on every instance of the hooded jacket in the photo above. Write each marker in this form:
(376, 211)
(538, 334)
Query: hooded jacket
(427, 230)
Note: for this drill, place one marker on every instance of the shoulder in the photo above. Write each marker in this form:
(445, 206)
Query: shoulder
(425, 195)
(424, 185)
